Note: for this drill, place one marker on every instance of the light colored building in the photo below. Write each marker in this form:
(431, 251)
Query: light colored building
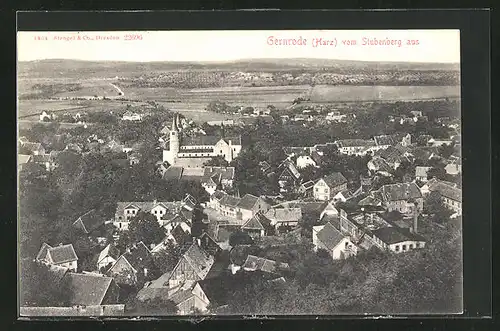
(337, 245)
(326, 188)
(162, 210)
(304, 161)
(61, 256)
(205, 147)
(421, 173)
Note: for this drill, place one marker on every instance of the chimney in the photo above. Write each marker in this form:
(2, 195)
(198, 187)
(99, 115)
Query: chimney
(415, 221)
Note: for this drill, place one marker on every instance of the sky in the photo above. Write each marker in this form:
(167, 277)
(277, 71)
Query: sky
(441, 46)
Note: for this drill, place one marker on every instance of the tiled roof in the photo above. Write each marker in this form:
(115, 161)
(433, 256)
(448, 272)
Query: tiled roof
(218, 195)
(385, 140)
(380, 164)
(393, 235)
(139, 256)
(89, 221)
(181, 237)
(200, 261)
(259, 263)
(253, 223)
(111, 251)
(330, 236)
(173, 173)
(447, 191)
(88, 289)
(224, 231)
(199, 141)
(400, 191)
(308, 185)
(181, 296)
(41, 158)
(248, 202)
(355, 143)
(226, 173)
(231, 201)
(63, 253)
(42, 254)
(335, 179)
(284, 214)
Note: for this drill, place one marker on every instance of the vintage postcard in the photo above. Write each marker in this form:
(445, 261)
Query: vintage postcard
(287, 172)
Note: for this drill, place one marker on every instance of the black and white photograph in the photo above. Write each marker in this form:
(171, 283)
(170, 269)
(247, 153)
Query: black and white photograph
(239, 172)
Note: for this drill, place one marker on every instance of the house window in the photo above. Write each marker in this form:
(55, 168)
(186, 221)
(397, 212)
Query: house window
(397, 248)
(317, 189)
(155, 212)
(326, 190)
(417, 245)
(411, 246)
(404, 247)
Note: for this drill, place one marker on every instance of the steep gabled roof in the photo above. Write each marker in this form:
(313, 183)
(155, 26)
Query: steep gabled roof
(88, 221)
(62, 253)
(42, 254)
(253, 224)
(394, 235)
(330, 236)
(180, 236)
(139, 256)
(400, 191)
(284, 214)
(228, 200)
(110, 250)
(200, 261)
(88, 289)
(385, 140)
(447, 191)
(248, 202)
(259, 263)
(335, 179)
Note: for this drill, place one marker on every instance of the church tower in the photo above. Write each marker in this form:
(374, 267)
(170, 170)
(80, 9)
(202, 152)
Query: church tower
(171, 155)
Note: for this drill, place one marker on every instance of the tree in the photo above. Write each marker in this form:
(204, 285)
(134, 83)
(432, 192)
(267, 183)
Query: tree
(434, 206)
(197, 224)
(437, 172)
(166, 259)
(41, 287)
(145, 227)
(446, 150)
(217, 161)
(240, 238)
(247, 110)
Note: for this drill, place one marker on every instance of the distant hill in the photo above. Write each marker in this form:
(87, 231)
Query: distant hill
(65, 68)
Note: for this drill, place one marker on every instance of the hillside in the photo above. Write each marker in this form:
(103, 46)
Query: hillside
(65, 68)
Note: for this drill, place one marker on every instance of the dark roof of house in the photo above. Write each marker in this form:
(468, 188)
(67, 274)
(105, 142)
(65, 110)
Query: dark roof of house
(228, 200)
(447, 191)
(308, 185)
(380, 164)
(253, 223)
(200, 141)
(209, 244)
(89, 221)
(385, 140)
(88, 289)
(284, 214)
(181, 237)
(199, 259)
(111, 251)
(42, 253)
(393, 235)
(173, 173)
(41, 158)
(62, 253)
(355, 143)
(218, 195)
(248, 202)
(400, 191)
(316, 157)
(259, 263)
(330, 236)
(138, 257)
(335, 179)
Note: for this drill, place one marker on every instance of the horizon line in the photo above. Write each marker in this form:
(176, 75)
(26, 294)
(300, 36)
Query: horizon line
(237, 60)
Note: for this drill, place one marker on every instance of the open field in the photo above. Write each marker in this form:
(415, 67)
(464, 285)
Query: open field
(32, 108)
(93, 88)
(323, 93)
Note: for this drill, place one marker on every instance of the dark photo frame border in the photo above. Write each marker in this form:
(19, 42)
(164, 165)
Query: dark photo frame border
(476, 118)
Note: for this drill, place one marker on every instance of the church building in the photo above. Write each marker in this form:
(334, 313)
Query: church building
(182, 148)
